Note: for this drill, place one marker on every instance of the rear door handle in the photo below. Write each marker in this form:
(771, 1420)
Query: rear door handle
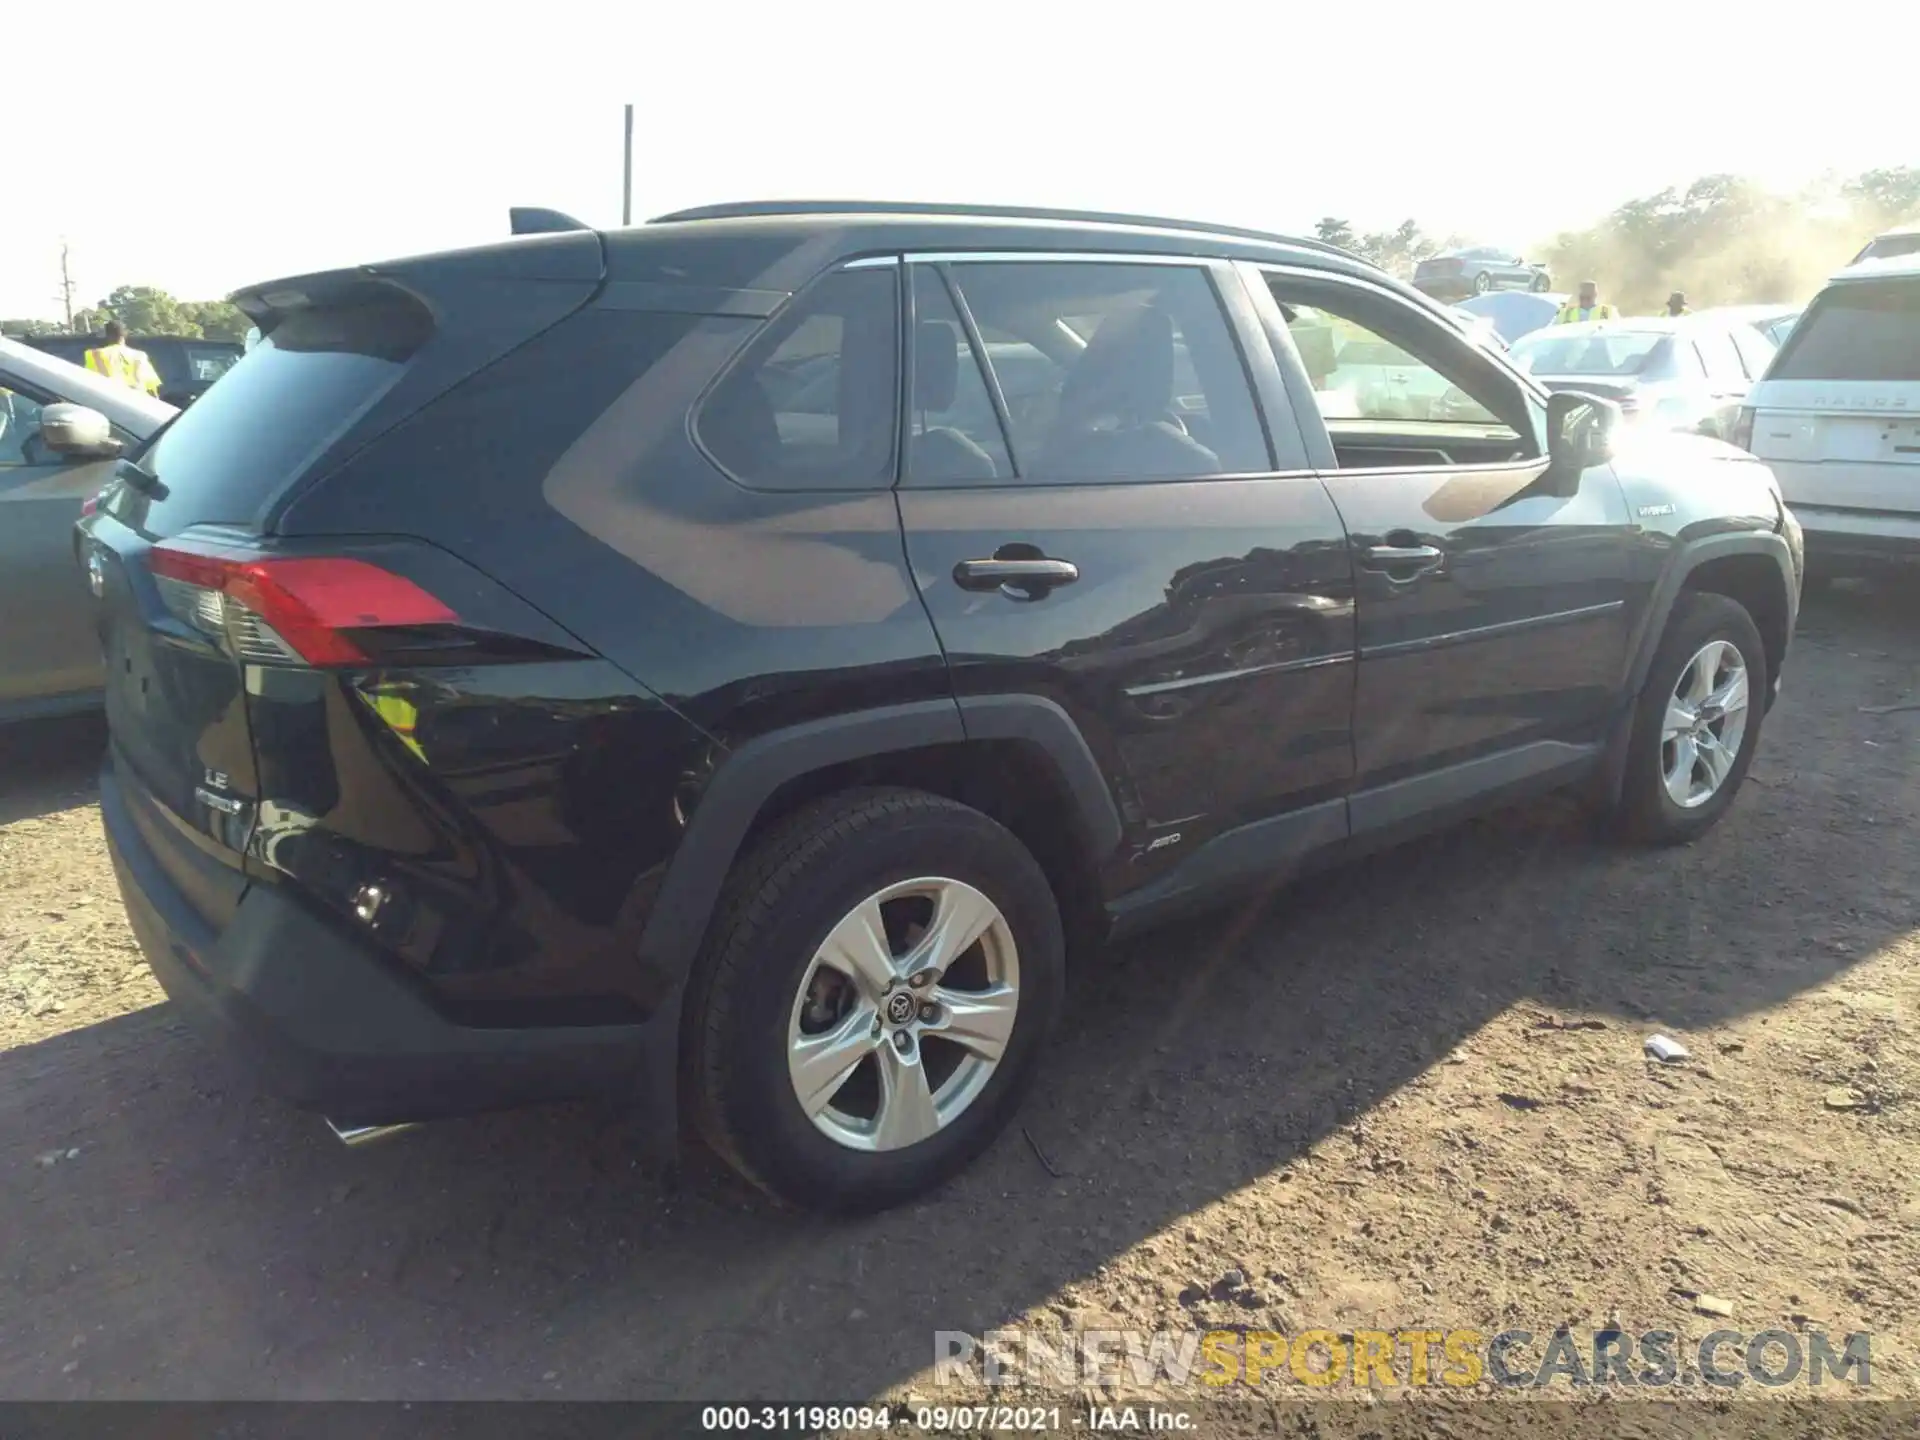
(1021, 579)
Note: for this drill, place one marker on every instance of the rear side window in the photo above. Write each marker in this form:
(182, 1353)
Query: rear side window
(1863, 331)
(276, 412)
(1114, 371)
(953, 431)
(813, 403)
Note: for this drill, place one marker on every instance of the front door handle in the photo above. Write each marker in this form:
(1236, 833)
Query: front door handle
(1025, 578)
(1403, 557)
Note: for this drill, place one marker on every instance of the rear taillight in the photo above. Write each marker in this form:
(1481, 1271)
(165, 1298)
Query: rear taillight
(1743, 428)
(288, 609)
(89, 505)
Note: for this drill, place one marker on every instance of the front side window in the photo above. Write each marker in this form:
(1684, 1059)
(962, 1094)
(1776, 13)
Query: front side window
(1114, 371)
(1379, 369)
(812, 403)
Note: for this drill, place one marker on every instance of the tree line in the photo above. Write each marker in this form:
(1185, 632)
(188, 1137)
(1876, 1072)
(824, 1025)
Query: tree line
(146, 310)
(1724, 239)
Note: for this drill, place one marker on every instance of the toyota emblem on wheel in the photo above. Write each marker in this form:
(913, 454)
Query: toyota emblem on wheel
(901, 1008)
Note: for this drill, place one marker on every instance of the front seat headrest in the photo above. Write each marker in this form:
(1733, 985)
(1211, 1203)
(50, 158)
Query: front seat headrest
(1126, 371)
(936, 365)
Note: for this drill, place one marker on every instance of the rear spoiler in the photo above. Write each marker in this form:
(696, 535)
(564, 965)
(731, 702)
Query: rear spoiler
(531, 220)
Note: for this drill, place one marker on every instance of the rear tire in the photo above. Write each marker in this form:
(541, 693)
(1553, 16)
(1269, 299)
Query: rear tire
(781, 984)
(1482, 283)
(1684, 766)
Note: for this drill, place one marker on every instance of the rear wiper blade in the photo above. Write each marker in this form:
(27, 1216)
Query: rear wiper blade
(136, 475)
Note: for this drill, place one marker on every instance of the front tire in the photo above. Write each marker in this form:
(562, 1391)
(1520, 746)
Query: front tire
(1697, 723)
(1482, 283)
(1540, 284)
(880, 978)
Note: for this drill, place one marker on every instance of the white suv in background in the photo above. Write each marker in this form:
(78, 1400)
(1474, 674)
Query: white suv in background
(1837, 417)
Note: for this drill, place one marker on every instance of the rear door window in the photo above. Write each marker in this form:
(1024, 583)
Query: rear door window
(1114, 371)
(1856, 331)
(273, 415)
(813, 403)
(953, 430)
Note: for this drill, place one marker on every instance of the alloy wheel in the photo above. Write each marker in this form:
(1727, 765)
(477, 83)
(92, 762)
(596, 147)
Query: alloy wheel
(904, 1014)
(1706, 721)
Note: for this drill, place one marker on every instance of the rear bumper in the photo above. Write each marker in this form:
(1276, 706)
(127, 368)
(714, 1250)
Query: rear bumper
(1865, 536)
(331, 1026)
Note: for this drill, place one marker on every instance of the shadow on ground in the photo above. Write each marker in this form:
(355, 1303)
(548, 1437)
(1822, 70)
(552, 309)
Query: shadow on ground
(208, 1243)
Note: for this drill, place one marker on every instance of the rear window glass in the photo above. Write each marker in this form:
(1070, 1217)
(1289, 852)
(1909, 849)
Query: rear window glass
(276, 411)
(1865, 331)
(1608, 352)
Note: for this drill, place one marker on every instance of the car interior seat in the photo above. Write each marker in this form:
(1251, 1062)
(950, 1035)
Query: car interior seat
(1116, 407)
(940, 452)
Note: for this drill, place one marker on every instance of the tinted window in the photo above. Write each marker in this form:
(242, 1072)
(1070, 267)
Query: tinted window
(1719, 356)
(953, 434)
(1115, 372)
(813, 403)
(1867, 331)
(276, 412)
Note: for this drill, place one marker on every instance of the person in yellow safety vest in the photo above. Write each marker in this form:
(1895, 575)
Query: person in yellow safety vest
(118, 360)
(401, 715)
(1586, 307)
(1677, 305)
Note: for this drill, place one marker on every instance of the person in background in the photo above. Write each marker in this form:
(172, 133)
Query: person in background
(1585, 306)
(1677, 305)
(118, 360)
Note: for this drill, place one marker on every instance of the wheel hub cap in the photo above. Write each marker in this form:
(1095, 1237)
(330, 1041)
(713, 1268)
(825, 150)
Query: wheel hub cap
(903, 1014)
(1705, 724)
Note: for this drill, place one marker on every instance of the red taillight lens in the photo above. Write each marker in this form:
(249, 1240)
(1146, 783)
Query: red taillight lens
(295, 608)
(89, 505)
(1743, 428)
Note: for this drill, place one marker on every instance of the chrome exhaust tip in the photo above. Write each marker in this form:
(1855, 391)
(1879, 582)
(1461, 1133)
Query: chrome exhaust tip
(353, 1135)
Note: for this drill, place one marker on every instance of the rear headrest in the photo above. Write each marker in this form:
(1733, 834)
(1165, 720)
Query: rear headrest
(936, 365)
(1126, 369)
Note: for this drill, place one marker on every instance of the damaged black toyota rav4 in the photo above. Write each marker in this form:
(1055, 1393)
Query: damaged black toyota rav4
(734, 661)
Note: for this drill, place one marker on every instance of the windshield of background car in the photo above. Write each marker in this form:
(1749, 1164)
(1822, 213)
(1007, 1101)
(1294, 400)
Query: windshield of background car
(1603, 352)
(1856, 331)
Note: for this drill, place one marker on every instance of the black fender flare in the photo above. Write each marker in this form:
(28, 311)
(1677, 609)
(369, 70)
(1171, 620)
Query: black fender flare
(749, 776)
(1645, 642)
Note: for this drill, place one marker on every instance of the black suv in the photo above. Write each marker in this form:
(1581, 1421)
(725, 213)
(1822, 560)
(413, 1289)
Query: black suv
(735, 660)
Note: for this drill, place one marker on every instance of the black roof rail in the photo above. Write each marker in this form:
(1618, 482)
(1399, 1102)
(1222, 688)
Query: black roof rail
(532, 220)
(743, 209)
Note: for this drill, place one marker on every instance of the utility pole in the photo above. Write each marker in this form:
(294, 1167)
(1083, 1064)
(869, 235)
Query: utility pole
(66, 285)
(626, 187)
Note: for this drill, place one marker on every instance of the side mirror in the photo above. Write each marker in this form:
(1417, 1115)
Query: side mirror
(1580, 430)
(77, 431)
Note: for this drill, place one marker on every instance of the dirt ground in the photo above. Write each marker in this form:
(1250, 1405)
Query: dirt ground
(1409, 1093)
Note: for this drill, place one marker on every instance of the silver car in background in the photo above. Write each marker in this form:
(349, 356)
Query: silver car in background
(61, 432)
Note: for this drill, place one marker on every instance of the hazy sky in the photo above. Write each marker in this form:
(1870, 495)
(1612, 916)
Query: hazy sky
(204, 146)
